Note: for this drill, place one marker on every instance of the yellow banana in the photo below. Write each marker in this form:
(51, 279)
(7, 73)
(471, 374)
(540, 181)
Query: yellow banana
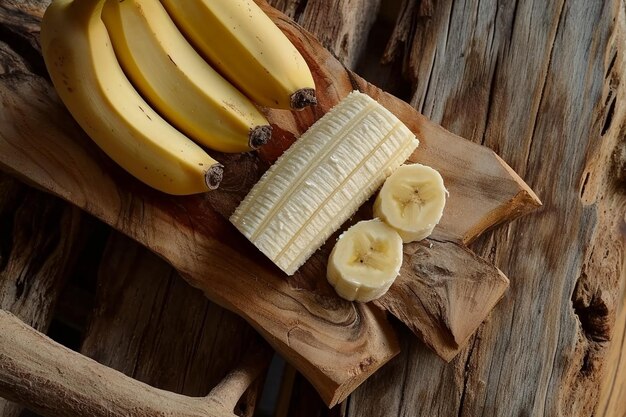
(243, 43)
(178, 82)
(83, 67)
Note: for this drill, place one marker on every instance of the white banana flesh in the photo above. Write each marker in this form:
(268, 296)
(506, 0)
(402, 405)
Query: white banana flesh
(365, 261)
(412, 201)
(322, 179)
(86, 74)
(178, 82)
(244, 45)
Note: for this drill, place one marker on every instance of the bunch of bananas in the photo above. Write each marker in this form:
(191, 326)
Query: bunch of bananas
(153, 82)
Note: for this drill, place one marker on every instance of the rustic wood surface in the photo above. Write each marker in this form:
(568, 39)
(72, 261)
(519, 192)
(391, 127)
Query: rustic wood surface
(539, 84)
(542, 84)
(345, 34)
(38, 244)
(206, 253)
(149, 324)
(37, 371)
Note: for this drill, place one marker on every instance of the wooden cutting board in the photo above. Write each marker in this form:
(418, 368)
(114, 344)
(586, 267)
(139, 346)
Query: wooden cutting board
(444, 291)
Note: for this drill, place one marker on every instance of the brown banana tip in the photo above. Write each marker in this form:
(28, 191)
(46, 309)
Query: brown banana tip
(213, 176)
(303, 98)
(259, 136)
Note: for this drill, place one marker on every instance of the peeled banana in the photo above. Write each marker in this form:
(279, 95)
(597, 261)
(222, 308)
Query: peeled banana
(365, 261)
(322, 179)
(83, 67)
(178, 82)
(243, 43)
(412, 201)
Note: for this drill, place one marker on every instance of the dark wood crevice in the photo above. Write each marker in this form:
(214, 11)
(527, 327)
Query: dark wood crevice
(24, 48)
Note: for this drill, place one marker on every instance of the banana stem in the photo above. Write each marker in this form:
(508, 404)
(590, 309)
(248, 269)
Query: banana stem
(303, 98)
(259, 136)
(213, 176)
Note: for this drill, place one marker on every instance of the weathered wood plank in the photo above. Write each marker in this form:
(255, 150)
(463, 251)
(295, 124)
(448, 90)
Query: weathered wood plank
(540, 83)
(345, 29)
(149, 324)
(474, 231)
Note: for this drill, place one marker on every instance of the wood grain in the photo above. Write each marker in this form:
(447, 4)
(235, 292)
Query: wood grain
(150, 325)
(612, 401)
(345, 34)
(453, 281)
(541, 84)
(39, 238)
(37, 371)
(309, 328)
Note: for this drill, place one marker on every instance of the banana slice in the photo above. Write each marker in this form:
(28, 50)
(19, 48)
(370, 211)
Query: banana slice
(412, 201)
(365, 261)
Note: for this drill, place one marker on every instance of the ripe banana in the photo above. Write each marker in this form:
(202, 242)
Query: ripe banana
(412, 201)
(78, 54)
(365, 261)
(243, 43)
(322, 179)
(178, 82)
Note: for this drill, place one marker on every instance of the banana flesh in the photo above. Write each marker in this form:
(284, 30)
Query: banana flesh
(322, 179)
(178, 82)
(412, 201)
(244, 45)
(85, 72)
(365, 261)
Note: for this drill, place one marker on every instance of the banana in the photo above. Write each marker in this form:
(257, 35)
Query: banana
(243, 43)
(322, 179)
(412, 201)
(82, 64)
(178, 82)
(365, 261)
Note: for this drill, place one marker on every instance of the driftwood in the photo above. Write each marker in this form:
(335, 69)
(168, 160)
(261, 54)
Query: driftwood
(206, 251)
(150, 325)
(37, 371)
